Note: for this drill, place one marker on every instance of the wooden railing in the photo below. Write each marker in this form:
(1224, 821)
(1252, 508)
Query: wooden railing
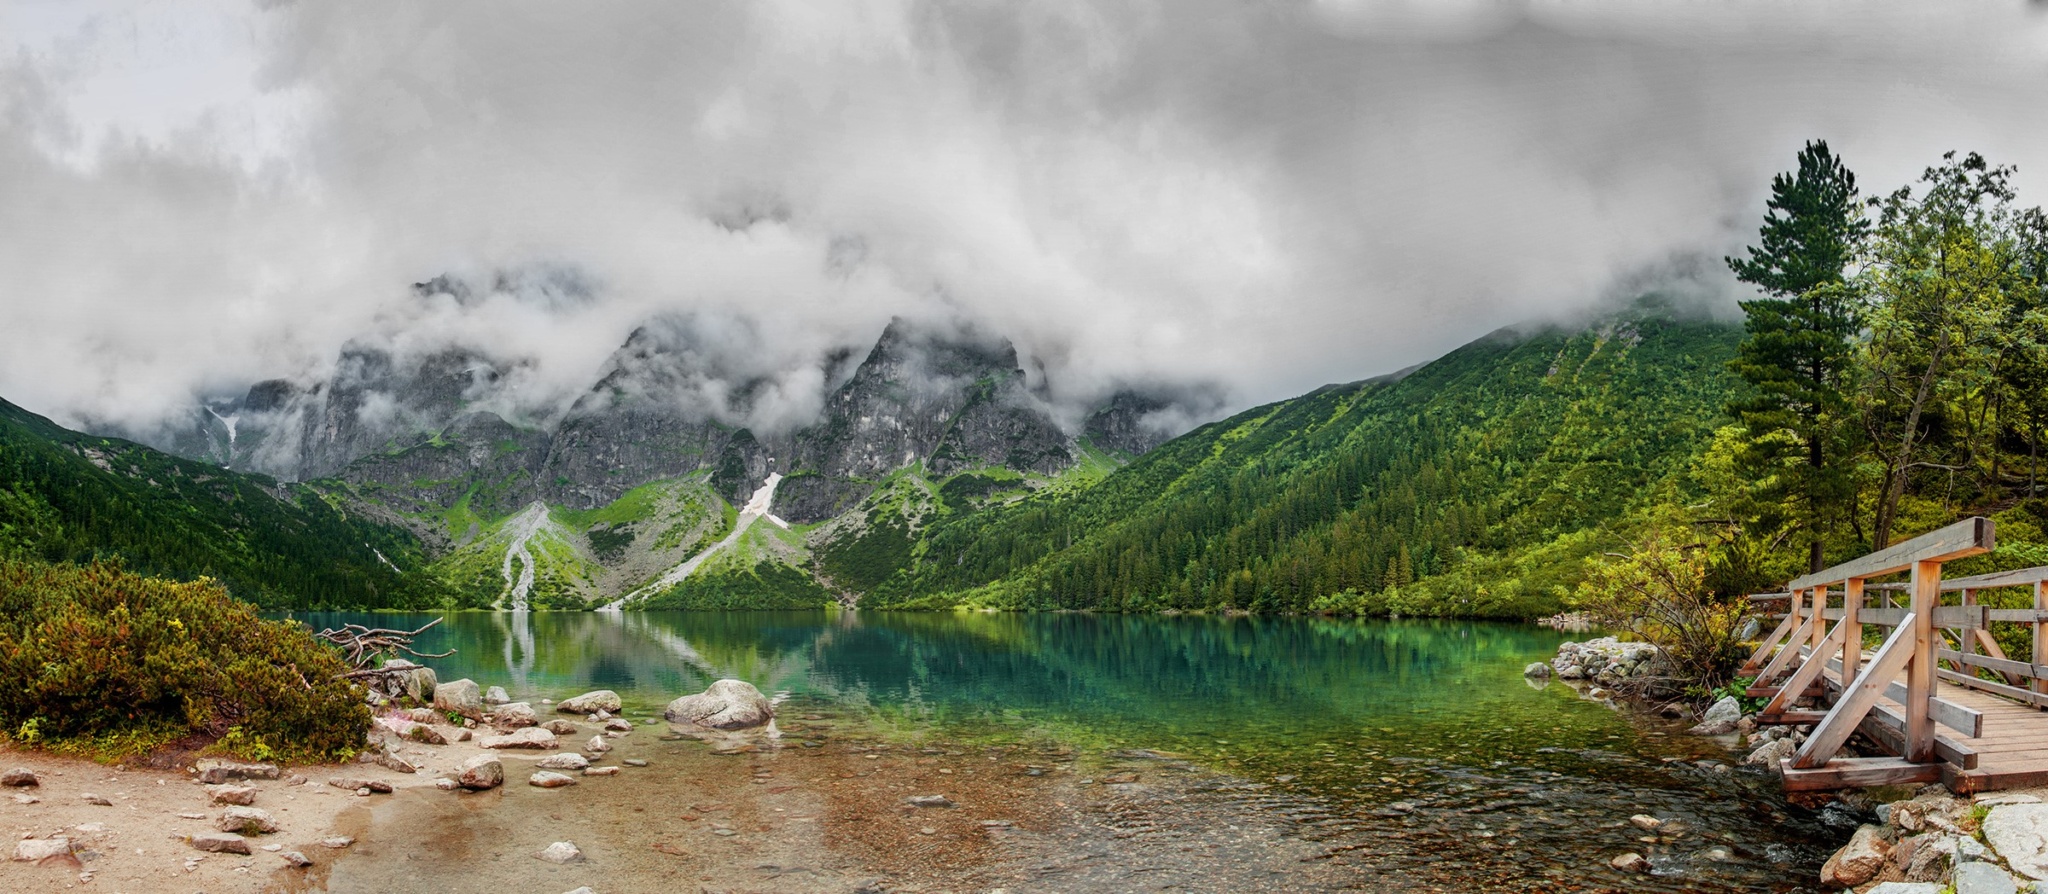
(1813, 637)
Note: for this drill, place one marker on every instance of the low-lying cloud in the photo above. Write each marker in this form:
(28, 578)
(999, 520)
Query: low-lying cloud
(1266, 196)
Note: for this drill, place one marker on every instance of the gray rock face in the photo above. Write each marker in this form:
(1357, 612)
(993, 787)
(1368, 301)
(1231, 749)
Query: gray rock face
(1858, 861)
(1983, 878)
(1721, 718)
(727, 705)
(460, 697)
(480, 772)
(590, 703)
(2019, 833)
(1130, 423)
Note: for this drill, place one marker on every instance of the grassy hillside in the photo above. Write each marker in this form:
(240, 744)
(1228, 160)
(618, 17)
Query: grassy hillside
(68, 497)
(1513, 456)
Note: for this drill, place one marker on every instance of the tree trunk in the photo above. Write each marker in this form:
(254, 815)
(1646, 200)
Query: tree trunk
(1895, 489)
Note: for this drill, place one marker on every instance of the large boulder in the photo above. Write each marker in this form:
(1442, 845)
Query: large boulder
(727, 705)
(591, 703)
(460, 697)
(2019, 833)
(480, 772)
(1721, 718)
(1858, 861)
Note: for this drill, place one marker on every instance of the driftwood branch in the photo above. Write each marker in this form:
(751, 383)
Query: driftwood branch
(360, 645)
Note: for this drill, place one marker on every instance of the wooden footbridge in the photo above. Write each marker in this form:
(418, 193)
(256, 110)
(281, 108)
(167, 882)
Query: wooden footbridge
(1938, 692)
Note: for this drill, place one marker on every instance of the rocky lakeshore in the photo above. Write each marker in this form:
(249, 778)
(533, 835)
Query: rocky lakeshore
(1913, 841)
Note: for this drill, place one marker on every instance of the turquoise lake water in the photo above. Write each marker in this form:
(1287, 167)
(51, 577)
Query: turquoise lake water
(1417, 743)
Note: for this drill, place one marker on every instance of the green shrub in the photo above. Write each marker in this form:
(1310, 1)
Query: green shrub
(99, 660)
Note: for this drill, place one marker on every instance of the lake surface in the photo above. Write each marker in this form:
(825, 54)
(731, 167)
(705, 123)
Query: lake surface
(1409, 750)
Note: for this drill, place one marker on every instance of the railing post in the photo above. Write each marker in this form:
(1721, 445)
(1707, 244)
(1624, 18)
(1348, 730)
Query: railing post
(1820, 623)
(1920, 679)
(1852, 629)
(2040, 647)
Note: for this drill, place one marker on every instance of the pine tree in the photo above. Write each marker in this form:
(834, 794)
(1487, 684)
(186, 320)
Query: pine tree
(1798, 347)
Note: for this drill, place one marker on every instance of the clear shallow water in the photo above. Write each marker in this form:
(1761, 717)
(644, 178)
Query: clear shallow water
(1403, 750)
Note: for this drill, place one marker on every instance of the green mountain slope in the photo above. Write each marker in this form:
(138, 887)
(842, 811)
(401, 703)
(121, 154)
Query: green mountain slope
(1476, 485)
(70, 497)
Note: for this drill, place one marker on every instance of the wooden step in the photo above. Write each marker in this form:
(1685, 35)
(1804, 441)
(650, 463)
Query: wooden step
(1857, 772)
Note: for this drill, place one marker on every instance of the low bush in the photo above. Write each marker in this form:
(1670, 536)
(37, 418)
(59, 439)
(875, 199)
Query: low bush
(97, 660)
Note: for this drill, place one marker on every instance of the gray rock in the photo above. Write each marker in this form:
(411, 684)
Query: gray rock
(459, 697)
(546, 779)
(1983, 878)
(567, 760)
(337, 842)
(246, 820)
(19, 777)
(1645, 822)
(601, 771)
(1771, 753)
(95, 800)
(214, 772)
(1721, 718)
(2019, 833)
(244, 795)
(929, 801)
(635, 762)
(417, 683)
(618, 725)
(591, 703)
(583, 890)
(561, 852)
(1905, 888)
(221, 843)
(1538, 669)
(496, 696)
(597, 745)
(530, 737)
(357, 783)
(480, 772)
(515, 715)
(560, 727)
(296, 858)
(33, 850)
(1858, 861)
(727, 704)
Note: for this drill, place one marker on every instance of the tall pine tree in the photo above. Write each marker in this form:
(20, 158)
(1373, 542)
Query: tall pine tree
(1797, 350)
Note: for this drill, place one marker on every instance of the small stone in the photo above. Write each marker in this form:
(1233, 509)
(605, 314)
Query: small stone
(1120, 779)
(583, 890)
(1630, 862)
(929, 801)
(1401, 807)
(221, 843)
(27, 799)
(446, 784)
(560, 727)
(337, 842)
(546, 779)
(244, 795)
(389, 761)
(214, 772)
(246, 820)
(1536, 671)
(1905, 888)
(619, 725)
(354, 784)
(34, 850)
(591, 703)
(514, 715)
(19, 777)
(601, 771)
(634, 762)
(480, 772)
(496, 696)
(459, 697)
(564, 761)
(296, 859)
(1645, 822)
(561, 852)
(96, 800)
(597, 745)
(1721, 718)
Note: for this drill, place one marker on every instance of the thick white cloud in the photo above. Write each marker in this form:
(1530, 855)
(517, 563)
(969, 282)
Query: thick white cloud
(1269, 196)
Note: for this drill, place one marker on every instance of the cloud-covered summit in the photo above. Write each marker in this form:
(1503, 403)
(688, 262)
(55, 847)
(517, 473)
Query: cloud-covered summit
(1268, 196)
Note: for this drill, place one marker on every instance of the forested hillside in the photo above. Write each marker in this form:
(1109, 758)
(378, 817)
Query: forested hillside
(69, 497)
(1515, 454)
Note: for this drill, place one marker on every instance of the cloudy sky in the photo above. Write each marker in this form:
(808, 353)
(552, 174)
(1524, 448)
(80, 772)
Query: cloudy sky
(1266, 195)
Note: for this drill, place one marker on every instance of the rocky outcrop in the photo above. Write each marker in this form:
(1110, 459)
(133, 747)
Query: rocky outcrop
(726, 705)
(1930, 843)
(1608, 661)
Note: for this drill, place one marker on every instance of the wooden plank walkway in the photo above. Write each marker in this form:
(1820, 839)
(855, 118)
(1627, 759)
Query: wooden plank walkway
(1939, 693)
